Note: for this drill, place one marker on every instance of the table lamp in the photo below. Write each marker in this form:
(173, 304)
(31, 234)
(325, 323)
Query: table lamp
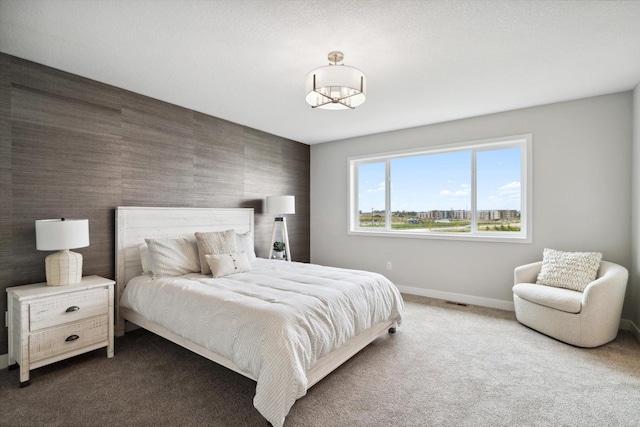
(63, 267)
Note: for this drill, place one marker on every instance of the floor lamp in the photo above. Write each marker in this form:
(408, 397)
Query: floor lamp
(280, 206)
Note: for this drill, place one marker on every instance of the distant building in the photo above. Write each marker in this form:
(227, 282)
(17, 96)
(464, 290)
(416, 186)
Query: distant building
(460, 214)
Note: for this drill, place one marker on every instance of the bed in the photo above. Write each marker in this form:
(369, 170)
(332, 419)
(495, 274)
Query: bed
(284, 325)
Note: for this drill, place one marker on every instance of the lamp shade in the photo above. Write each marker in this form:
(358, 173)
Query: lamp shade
(280, 205)
(60, 234)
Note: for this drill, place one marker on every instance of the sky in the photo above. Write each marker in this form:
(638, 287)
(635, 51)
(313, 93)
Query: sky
(443, 181)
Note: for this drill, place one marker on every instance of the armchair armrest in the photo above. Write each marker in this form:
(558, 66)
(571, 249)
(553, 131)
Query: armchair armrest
(602, 302)
(527, 273)
(610, 285)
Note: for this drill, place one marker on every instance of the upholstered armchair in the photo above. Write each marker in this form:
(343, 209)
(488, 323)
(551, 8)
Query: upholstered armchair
(585, 319)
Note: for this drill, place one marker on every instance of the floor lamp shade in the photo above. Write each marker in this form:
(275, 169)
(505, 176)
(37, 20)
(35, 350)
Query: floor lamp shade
(281, 205)
(63, 267)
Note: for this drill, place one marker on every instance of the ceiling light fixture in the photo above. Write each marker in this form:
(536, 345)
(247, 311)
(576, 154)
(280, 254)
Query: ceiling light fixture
(335, 86)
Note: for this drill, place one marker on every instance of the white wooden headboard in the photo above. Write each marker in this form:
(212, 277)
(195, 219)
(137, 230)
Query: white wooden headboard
(134, 224)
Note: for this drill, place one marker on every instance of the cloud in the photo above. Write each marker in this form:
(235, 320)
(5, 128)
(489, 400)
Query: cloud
(461, 193)
(464, 191)
(510, 190)
(377, 189)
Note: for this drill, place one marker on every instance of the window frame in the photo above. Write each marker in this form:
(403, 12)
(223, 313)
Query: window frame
(524, 141)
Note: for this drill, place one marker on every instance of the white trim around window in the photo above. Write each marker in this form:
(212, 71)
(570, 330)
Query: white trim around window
(399, 194)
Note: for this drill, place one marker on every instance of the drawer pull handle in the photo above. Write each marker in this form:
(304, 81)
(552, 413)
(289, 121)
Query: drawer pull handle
(72, 309)
(72, 338)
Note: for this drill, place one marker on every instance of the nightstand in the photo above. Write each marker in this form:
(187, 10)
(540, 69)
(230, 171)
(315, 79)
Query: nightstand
(52, 323)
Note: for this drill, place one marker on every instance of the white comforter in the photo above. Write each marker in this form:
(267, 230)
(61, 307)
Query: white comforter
(273, 322)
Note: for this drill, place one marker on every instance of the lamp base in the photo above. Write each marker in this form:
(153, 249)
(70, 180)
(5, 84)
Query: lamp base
(286, 254)
(63, 268)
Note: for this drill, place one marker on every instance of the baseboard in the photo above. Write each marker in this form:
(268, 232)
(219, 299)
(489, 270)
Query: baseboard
(461, 298)
(4, 361)
(628, 325)
(635, 331)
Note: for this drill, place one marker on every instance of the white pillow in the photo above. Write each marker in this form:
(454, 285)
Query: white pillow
(569, 270)
(245, 244)
(215, 243)
(173, 257)
(227, 264)
(144, 258)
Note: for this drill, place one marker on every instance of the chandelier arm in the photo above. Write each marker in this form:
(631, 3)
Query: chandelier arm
(320, 105)
(322, 94)
(335, 100)
(348, 106)
(348, 96)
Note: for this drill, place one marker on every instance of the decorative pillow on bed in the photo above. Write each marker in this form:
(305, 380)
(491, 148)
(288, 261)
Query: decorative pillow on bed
(569, 270)
(227, 264)
(245, 244)
(215, 243)
(173, 257)
(144, 258)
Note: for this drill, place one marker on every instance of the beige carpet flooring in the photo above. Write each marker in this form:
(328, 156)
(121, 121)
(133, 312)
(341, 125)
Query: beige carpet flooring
(447, 365)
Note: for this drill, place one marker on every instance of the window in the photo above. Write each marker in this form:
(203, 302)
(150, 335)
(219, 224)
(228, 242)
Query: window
(475, 190)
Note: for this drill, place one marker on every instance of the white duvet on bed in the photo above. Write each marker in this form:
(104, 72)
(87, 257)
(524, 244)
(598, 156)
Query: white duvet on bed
(273, 322)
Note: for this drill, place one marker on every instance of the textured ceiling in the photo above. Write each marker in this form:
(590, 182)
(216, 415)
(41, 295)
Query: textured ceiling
(426, 61)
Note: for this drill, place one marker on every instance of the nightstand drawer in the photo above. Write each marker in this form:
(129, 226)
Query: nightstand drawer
(55, 341)
(68, 308)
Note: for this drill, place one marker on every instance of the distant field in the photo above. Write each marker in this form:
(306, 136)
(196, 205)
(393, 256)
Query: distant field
(452, 226)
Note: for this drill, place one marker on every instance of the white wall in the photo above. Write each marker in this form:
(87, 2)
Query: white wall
(581, 189)
(634, 273)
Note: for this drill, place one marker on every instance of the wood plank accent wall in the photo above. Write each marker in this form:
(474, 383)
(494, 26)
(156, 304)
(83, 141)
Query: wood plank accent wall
(72, 147)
